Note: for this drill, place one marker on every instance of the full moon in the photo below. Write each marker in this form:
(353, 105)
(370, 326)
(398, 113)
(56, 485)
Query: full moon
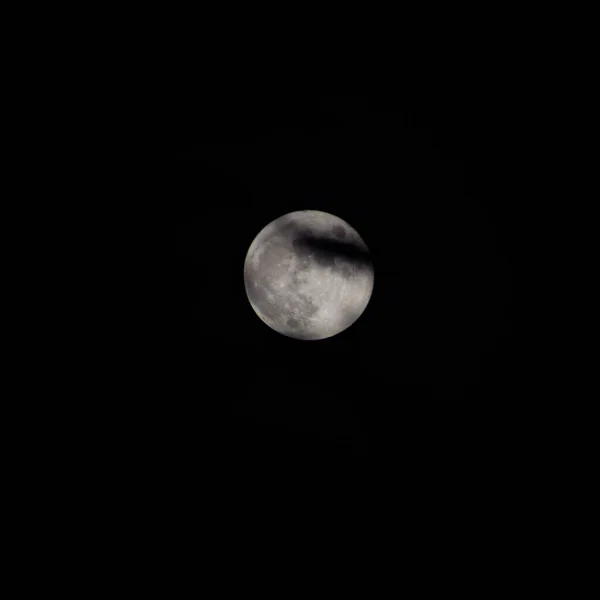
(308, 275)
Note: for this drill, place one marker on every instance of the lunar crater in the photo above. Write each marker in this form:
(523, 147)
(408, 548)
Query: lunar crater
(338, 231)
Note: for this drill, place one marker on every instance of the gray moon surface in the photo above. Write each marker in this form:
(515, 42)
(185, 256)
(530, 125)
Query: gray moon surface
(308, 275)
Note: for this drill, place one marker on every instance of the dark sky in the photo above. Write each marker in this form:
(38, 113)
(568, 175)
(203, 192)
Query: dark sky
(420, 379)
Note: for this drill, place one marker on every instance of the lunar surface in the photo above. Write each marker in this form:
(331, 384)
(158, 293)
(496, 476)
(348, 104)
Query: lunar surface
(308, 275)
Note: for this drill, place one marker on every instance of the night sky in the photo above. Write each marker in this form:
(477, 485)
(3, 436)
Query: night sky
(420, 380)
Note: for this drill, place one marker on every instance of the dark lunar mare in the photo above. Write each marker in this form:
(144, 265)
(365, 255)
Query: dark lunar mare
(325, 250)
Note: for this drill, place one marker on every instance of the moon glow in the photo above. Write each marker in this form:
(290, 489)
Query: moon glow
(308, 275)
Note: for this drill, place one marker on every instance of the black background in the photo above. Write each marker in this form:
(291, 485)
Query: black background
(421, 383)
(205, 426)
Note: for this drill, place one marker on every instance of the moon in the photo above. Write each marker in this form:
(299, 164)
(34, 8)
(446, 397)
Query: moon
(308, 275)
